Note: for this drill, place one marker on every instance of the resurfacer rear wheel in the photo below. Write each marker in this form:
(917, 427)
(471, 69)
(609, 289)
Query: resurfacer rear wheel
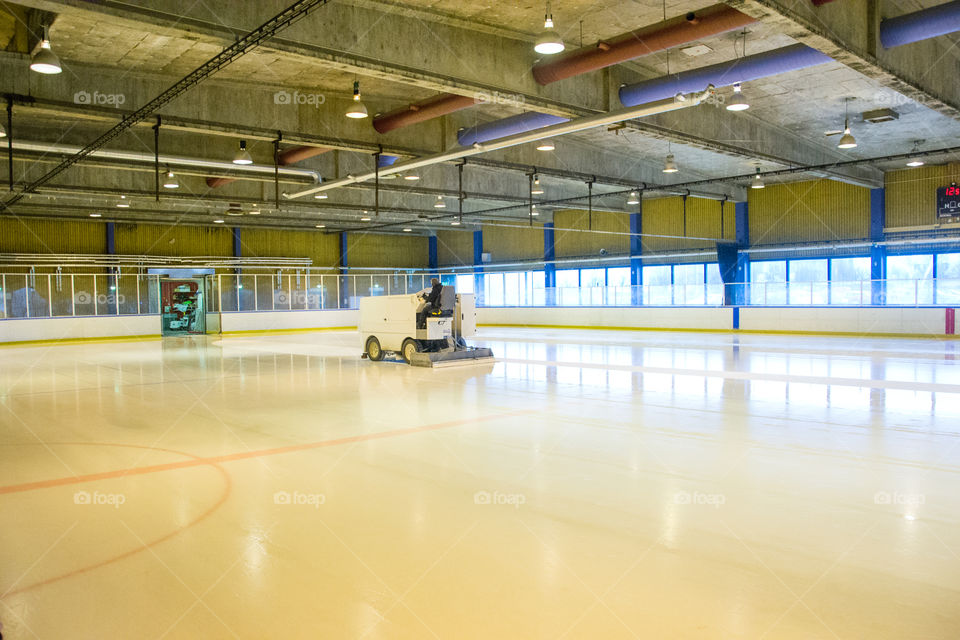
(409, 348)
(374, 352)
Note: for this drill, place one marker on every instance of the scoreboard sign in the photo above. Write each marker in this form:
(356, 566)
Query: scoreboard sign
(948, 201)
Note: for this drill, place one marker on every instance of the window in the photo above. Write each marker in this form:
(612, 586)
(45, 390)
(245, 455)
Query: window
(537, 284)
(657, 286)
(910, 279)
(948, 278)
(689, 284)
(768, 282)
(568, 287)
(850, 281)
(714, 284)
(618, 281)
(592, 286)
(464, 283)
(493, 289)
(512, 288)
(808, 282)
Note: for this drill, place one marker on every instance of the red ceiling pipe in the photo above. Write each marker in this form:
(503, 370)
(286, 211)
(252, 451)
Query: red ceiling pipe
(438, 105)
(213, 183)
(711, 21)
(290, 156)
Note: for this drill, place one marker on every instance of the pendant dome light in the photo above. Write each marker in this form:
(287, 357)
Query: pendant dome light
(633, 198)
(545, 145)
(3, 132)
(439, 204)
(411, 176)
(537, 189)
(549, 42)
(170, 181)
(847, 141)
(670, 165)
(533, 210)
(738, 102)
(45, 60)
(243, 156)
(916, 161)
(320, 196)
(357, 109)
(757, 180)
(123, 203)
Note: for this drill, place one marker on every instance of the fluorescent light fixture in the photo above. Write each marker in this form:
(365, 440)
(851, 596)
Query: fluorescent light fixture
(45, 60)
(321, 226)
(94, 215)
(218, 221)
(357, 109)
(407, 229)
(320, 196)
(670, 165)
(738, 102)
(634, 198)
(545, 145)
(439, 204)
(243, 156)
(411, 177)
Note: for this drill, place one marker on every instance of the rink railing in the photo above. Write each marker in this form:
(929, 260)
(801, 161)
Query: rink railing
(65, 295)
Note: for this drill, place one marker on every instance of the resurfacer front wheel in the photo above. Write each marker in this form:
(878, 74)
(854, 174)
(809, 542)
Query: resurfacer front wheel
(374, 352)
(409, 348)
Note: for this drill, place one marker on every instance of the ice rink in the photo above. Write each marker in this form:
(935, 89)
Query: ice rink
(590, 484)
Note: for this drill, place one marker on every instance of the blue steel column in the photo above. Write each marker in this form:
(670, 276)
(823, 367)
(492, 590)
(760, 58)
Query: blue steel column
(432, 260)
(878, 253)
(636, 249)
(478, 265)
(742, 225)
(549, 268)
(344, 280)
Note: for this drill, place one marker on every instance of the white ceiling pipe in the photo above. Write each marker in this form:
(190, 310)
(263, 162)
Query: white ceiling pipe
(573, 126)
(172, 161)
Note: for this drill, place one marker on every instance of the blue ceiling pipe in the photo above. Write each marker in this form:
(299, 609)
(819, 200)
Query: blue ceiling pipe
(760, 65)
(921, 25)
(507, 127)
(385, 161)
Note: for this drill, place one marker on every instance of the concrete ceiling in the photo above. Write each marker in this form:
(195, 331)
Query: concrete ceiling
(407, 50)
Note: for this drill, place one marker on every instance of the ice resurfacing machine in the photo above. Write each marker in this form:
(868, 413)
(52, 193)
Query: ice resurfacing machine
(431, 339)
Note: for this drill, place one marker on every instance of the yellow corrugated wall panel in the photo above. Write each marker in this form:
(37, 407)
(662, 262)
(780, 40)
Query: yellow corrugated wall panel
(810, 211)
(322, 248)
(388, 251)
(574, 237)
(173, 240)
(911, 194)
(663, 223)
(513, 243)
(32, 235)
(454, 248)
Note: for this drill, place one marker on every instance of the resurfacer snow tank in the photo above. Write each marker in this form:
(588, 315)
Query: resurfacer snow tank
(389, 324)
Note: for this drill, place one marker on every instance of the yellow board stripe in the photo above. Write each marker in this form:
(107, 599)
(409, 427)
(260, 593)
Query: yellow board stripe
(64, 341)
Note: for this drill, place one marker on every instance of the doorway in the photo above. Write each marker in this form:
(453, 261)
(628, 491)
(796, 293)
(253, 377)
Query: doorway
(182, 307)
